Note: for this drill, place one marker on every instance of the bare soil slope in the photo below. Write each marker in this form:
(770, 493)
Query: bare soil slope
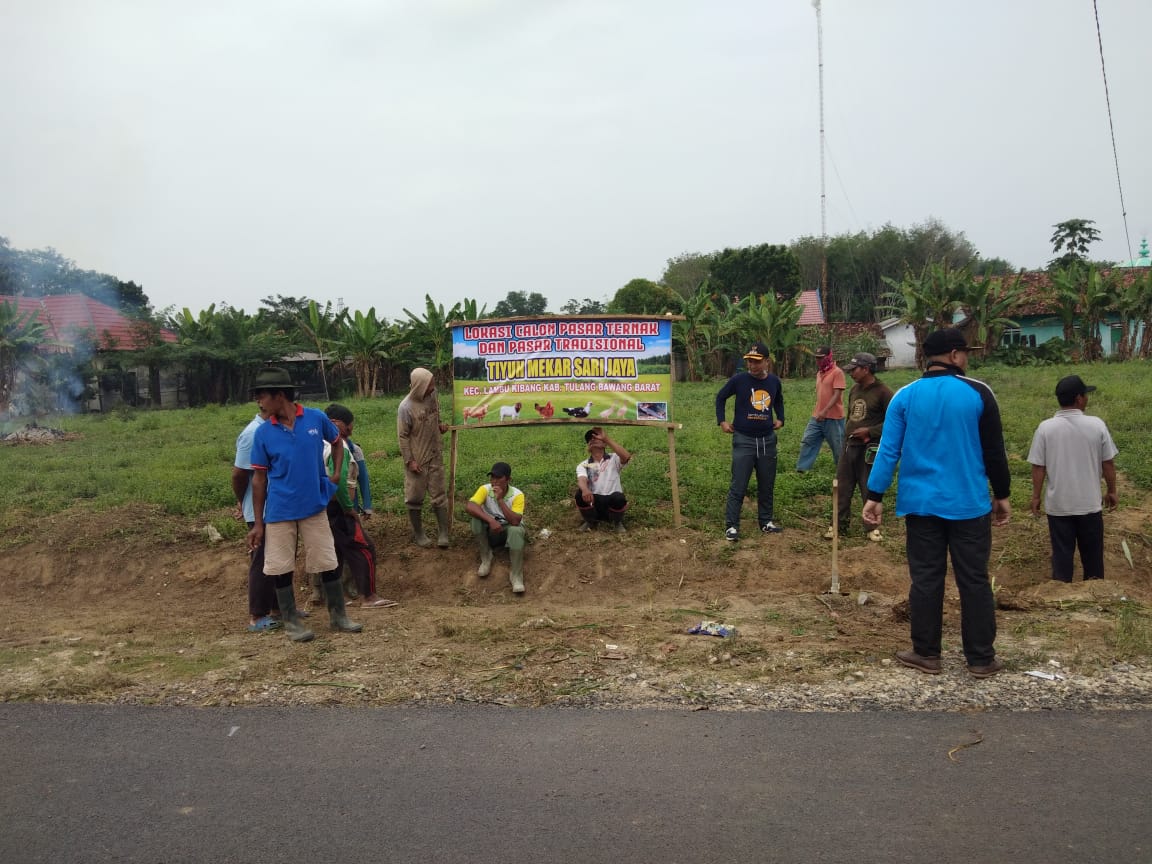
(133, 605)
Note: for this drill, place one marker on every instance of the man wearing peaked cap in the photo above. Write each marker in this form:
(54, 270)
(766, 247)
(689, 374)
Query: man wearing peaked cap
(497, 511)
(758, 395)
(1071, 452)
(867, 404)
(600, 495)
(948, 458)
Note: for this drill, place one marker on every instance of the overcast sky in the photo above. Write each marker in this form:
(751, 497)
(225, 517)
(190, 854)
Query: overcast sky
(374, 151)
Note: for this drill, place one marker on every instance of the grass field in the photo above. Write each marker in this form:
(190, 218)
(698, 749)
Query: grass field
(181, 459)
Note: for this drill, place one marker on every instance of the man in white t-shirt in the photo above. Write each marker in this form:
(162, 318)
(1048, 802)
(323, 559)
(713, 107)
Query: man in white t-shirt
(1072, 451)
(600, 496)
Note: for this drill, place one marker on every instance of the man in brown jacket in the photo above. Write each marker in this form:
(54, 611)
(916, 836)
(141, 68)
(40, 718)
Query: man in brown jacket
(867, 404)
(419, 431)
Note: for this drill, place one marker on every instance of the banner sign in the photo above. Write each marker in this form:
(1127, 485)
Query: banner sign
(603, 368)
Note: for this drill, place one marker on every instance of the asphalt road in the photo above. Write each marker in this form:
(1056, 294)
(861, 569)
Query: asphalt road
(483, 784)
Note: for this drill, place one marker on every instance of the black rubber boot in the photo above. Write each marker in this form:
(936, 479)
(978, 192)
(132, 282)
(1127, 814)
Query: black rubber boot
(334, 593)
(293, 626)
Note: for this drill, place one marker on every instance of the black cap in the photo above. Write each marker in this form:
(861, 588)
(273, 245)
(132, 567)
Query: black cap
(758, 351)
(501, 469)
(1071, 387)
(273, 378)
(945, 342)
(589, 435)
(336, 411)
(823, 351)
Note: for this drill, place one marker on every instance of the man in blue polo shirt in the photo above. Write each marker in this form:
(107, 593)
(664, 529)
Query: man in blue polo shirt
(290, 493)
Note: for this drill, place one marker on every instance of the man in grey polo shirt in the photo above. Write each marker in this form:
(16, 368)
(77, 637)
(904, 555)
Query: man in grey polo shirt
(1073, 451)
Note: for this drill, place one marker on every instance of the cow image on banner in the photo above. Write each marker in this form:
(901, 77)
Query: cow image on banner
(570, 367)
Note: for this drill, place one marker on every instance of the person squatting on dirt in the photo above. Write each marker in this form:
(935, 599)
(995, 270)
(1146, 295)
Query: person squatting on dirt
(758, 394)
(353, 547)
(827, 420)
(290, 494)
(867, 403)
(944, 429)
(1072, 451)
(600, 496)
(497, 511)
(261, 592)
(419, 431)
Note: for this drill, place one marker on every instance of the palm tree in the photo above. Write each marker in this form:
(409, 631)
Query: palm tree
(21, 334)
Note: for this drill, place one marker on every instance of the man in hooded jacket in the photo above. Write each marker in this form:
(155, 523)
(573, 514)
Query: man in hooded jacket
(419, 431)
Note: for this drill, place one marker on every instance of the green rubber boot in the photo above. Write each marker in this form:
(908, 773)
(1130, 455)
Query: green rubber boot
(516, 574)
(293, 626)
(418, 535)
(485, 555)
(444, 537)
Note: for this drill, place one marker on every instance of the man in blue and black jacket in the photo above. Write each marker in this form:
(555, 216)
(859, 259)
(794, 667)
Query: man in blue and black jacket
(944, 430)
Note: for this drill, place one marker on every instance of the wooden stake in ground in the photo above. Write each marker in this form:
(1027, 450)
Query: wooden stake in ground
(835, 589)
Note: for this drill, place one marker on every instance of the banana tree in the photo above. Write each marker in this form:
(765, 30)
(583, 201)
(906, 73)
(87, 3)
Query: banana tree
(988, 303)
(21, 334)
(689, 334)
(431, 340)
(322, 330)
(926, 301)
(364, 345)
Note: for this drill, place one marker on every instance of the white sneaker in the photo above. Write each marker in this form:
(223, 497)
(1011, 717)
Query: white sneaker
(875, 536)
(771, 528)
(732, 535)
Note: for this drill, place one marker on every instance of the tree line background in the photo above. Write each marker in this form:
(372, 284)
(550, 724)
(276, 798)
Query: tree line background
(926, 276)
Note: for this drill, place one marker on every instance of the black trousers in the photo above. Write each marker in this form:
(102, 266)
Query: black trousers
(1068, 532)
(851, 474)
(609, 508)
(931, 541)
(261, 589)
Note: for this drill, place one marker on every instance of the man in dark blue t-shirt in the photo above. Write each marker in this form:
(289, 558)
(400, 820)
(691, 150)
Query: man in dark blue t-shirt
(753, 429)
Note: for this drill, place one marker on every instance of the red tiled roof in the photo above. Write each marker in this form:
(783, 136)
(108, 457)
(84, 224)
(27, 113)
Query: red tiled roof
(812, 313)
(68, 315)
(1037, 293)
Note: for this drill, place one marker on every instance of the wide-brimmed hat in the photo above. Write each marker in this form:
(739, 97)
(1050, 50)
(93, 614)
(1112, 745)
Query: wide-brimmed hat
(273, 378)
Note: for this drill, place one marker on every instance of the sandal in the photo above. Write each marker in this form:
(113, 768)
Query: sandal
(262, 625)
(378, 603)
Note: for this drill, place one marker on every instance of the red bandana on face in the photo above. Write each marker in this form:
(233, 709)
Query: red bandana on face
(825, 363)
